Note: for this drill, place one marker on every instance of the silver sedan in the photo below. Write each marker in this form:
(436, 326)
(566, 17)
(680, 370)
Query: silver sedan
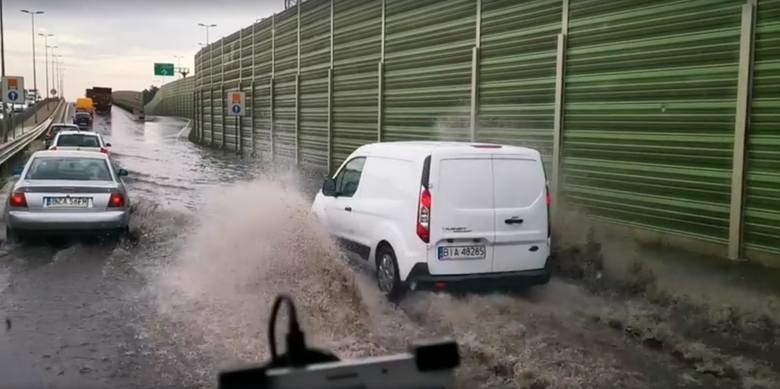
(67, 191)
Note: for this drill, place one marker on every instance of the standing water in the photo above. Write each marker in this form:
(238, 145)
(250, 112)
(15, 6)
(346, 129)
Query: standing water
(216, 238)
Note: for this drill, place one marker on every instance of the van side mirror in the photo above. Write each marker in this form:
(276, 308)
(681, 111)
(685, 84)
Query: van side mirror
(108, 144)
(329, 187)
(122, 173)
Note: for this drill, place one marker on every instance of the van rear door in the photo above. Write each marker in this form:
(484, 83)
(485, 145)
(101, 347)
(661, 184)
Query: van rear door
(521, 213)
(462, 216)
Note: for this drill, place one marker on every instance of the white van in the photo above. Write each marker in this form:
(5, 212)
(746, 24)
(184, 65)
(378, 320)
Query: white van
(432, 213)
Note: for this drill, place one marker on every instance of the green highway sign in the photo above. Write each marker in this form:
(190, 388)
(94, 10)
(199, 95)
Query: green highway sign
(163, 69)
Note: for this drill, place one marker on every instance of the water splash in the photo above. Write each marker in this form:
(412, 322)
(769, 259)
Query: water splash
(249, 242)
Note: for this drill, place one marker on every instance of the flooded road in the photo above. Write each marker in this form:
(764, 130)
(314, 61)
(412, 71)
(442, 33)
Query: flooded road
(214, 238)
(68, 306)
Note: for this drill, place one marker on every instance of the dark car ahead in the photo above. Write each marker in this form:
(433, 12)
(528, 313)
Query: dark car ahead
(83, 120)
(55, 128)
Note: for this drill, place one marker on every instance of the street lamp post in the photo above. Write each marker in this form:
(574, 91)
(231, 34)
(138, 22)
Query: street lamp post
(55, 72)
(207, 27)
(2, 44)
(4, 119)
(178, 63)
(53, 66)
(60, 65)
(35, 74)
(53, 84)
(46, 59)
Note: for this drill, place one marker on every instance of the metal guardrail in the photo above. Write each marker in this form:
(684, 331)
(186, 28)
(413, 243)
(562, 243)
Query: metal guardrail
(21, 117)
(130, 101)
(9, 149)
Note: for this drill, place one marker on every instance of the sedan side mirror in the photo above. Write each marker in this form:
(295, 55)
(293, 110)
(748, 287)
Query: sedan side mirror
(329, 187)
(108, 144)
(123, 173)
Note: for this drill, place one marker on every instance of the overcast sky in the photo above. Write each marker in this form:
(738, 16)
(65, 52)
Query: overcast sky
(115, 43)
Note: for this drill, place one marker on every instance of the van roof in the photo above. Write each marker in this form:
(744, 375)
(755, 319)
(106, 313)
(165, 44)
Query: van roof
(421, 149)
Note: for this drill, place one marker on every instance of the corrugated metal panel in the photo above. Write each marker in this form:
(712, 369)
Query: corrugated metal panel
(210, 122)
(315, 35)
(427, 92)
(315, 60)
(284, 116)
(217, 100)
(261, 100)
(231, 58)
(286, 66)
(263, 48)
(262, 110)
(762, 211)
(314, 117)
(517, 73)
(357, 34)
(217, 105)
(245, 84)
(246, 55)
(286, 44)
(649, 114)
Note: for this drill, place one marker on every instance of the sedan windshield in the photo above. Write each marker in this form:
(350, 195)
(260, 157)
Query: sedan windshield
(69, 168)
(78, 140)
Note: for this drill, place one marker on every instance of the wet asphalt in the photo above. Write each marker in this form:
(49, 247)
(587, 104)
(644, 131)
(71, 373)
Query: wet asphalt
(72, 311)
(214, 238)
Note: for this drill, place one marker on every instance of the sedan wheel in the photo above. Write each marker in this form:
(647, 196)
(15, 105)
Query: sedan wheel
(12, 236)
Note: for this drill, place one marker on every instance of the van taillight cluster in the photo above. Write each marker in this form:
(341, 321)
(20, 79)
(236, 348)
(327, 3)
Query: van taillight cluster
(18, 199)
(104, 150)
(548, 201)
(424, 215)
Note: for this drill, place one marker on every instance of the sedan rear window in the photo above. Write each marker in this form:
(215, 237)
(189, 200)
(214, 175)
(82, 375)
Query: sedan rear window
(78, 140)
(69, 168)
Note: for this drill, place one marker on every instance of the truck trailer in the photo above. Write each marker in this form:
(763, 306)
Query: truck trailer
(102, 98)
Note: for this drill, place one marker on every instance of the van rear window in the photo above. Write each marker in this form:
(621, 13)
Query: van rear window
(78, 140)
(465, 184)
(519, 182)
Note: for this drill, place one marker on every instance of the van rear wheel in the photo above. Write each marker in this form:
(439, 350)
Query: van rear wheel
(387, 277)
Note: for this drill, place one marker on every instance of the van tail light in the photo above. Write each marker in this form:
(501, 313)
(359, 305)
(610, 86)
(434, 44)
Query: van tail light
(424, 215)
(18, 200)
(117, 200)
(548, 201)
(104, 150)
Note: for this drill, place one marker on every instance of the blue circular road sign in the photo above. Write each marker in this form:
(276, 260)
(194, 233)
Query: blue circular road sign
(236, 108)
(13, 95)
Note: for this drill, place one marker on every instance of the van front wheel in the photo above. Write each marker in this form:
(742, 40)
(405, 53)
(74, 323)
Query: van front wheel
(387, 273)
